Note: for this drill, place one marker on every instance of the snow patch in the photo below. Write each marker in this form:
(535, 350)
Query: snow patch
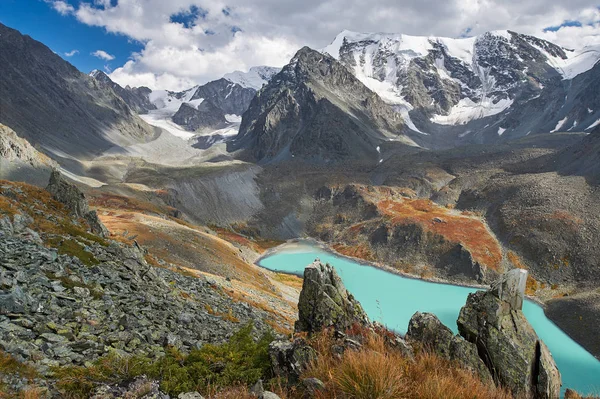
(255, 78)
(232, 118)
(466, 110)
(593, 125)
(559, 124)
(501, 131)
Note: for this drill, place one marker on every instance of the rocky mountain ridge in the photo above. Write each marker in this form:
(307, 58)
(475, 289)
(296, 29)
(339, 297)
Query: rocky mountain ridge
(50, 103)
(474, 89)
(315, 110)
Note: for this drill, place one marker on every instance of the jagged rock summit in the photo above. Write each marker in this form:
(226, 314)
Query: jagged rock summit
(324, 301)
(316, 110)
(517, 358)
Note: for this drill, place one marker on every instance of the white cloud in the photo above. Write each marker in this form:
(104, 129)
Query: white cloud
(103, 55)
(272, 30)
(71, 53)
(62, 7)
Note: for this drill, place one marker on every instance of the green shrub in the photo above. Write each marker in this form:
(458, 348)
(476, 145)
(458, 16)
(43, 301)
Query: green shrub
(240, 361)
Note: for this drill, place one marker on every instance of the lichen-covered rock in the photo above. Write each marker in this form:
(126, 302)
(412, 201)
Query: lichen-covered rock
(511, 349)
(325, 302)
(290, 359)
(190, 395)
(429, 330)
(96, 226)
(141, 387)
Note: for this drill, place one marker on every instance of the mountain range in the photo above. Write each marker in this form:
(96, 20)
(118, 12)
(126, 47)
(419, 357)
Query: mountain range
(446, 159)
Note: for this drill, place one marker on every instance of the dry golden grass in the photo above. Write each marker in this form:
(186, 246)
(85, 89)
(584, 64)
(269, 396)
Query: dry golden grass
(378, 371)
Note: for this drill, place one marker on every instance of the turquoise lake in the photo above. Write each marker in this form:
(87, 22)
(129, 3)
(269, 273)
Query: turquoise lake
(392, 299)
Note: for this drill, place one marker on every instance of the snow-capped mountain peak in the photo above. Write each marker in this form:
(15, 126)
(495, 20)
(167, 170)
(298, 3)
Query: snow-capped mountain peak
(455, 81)
(255, 78)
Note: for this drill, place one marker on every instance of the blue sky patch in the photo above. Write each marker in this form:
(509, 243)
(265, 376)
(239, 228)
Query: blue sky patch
(189, 17)
(65, 35)
(565, 24)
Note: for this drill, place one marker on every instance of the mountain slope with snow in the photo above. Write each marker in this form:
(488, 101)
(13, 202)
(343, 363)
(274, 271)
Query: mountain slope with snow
(469, 86)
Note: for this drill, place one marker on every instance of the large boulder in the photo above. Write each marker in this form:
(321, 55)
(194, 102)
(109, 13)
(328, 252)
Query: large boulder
(74, 200)
(517, 358)
(68, 194)
(290, 359)
(427, 329)
(324, 301)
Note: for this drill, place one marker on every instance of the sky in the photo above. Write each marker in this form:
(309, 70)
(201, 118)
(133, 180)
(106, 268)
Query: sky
(174, 44)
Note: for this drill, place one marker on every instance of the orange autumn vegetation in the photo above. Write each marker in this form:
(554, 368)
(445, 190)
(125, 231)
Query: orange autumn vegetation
(361, 251)
(459, 227)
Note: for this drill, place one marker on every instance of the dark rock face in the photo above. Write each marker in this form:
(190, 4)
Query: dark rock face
(68, 194)
(290, 359)
(229, 97)
(205, 116)
(75, 202)
(49, 102)
(517, 358)
(315, 109)
(324, 301)
(137, 98)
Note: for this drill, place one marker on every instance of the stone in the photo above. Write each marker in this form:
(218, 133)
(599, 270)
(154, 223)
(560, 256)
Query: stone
(312, 386)
(506, 342)
(257, 389)
(429, 330)
(324, 302)
(465, 353)
(96, 226)
(190, 395)
(269, 395)
(14, 302)
(510, 288)
(290, 359)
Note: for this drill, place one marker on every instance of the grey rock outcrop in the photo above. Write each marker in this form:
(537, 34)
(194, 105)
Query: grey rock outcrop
(205, 116)
(324, 301)
(290, 359)
(430, 331)
(75, 201)
(137, 98)
(510, 288)
(20, 161)
(505, 340)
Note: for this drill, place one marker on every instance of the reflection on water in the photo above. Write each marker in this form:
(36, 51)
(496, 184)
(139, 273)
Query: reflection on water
(392, 300)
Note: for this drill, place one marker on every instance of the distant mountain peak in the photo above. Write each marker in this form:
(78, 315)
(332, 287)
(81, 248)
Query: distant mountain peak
(255, 78)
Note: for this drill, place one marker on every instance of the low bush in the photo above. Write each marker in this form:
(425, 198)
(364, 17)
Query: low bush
(238, 362)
